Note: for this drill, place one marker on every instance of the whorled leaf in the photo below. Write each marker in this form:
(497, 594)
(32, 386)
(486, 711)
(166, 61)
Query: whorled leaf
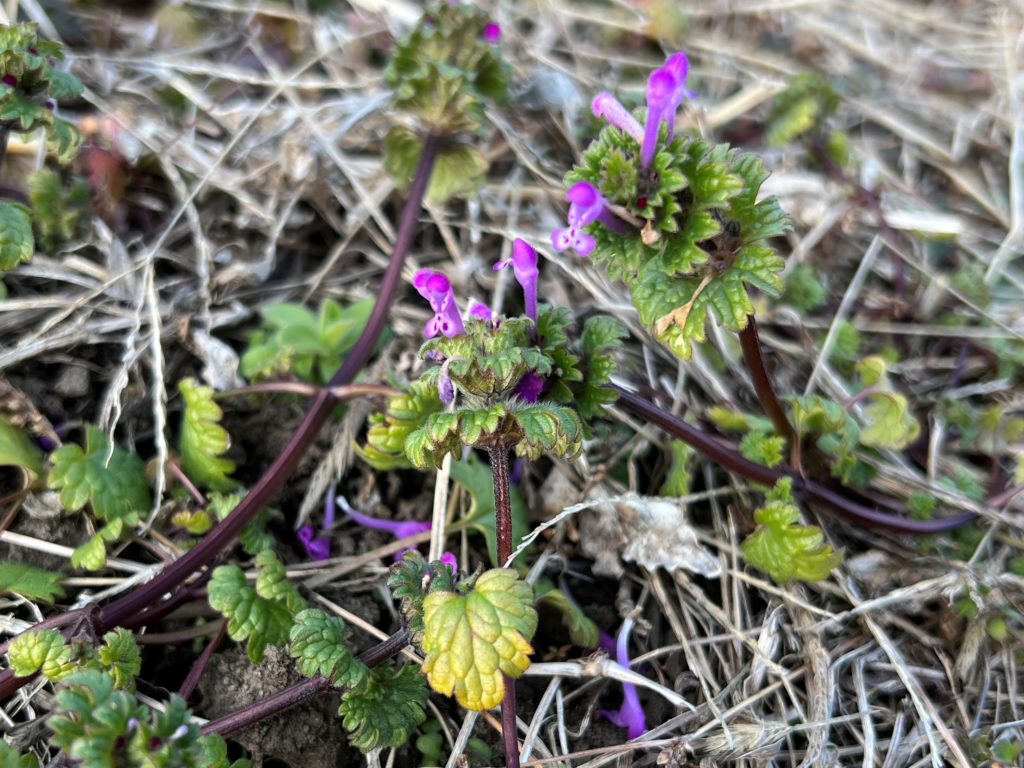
(472, 639)
(410, 580)
(389, 431)
(548, 428)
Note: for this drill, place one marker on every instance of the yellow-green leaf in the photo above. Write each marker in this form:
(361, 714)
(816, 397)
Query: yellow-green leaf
(784, 550)
(472, 640)
(890, 424)
(16, 450)
(204, 440)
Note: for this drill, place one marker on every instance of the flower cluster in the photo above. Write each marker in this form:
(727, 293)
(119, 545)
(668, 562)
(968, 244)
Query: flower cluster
(666, 89)
(437, 290)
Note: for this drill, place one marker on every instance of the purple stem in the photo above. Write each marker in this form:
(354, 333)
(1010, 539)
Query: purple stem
(143, 597)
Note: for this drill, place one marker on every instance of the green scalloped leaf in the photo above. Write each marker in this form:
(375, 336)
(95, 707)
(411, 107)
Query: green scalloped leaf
(17, 243)
(317, 641)
(386, 709)
(784, 550)
(116, 488)
(410, 579)
(121, 655)
(889, 422)
(678, 478)
(30, 582)
(63, 140)
(263, 615)
(762, 448)
(203, 440)
(472, 640)
(16, 450)
(548, 428)
(43, 650)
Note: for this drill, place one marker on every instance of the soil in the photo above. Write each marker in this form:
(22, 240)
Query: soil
(307, 735)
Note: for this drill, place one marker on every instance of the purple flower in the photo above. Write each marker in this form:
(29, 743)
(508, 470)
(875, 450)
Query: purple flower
(481, 311)
(530, 386)
(399, 530)
(679, 66)
(573, 237)
(608, 108)
(666, 89)
(586, 205)
(317, 548)
(524, 266)
(449, 559)
(588, 202)
(437, 290)
(631, 714)
(445, 387)
(591, 206)
(492, 33)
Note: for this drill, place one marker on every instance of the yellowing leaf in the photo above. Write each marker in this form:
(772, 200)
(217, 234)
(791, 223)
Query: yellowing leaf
(472, 640)
(890, 425)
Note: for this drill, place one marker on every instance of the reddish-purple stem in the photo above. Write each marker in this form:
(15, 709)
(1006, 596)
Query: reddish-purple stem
(503, 529)
(135, 602)
(733, 461)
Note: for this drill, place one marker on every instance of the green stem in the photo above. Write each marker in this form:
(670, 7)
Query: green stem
(503, 527)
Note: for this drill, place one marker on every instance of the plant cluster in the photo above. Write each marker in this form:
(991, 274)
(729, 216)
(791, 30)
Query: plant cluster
(677, 219)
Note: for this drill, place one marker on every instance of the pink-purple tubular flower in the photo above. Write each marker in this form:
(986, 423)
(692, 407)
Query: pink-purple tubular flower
(631, 714)
(449, 559)
(607, 107)
(586, 205)
(437, 290)
(445, 386)
(530, 386)
(399, 530)
(317, 547)
(524, 266)
(666, 89)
